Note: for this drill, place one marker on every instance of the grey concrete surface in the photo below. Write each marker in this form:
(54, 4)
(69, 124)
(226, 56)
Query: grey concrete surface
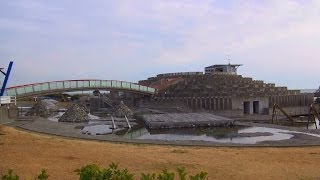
(71, 130)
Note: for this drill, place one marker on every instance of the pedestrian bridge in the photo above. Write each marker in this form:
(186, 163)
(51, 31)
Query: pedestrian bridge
(45, 88)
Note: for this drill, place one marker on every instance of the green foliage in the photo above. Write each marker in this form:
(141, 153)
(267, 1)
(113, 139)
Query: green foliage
(93, 172)
(148, 176)
(200, 176)
(166, 175)
(182, 173)
(10, 176)
(43, 175)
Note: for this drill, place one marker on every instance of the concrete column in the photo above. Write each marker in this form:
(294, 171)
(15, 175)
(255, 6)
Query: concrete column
(290, 100)
(223, 103)
(218, 103)
(205, 103)
(191, 102)
(251, 107)
(196, 102)
(210, 103)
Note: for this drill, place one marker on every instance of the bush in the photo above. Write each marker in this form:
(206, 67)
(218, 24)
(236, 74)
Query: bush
(10, 176)
(94, 172)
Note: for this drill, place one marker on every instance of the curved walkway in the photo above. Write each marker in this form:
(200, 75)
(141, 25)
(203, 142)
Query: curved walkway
(76, 85)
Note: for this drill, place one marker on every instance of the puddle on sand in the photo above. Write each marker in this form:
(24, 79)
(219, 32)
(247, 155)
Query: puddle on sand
(239, 135)
(100, 129)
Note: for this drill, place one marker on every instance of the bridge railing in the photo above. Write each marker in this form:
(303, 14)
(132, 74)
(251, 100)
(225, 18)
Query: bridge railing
(39, 88)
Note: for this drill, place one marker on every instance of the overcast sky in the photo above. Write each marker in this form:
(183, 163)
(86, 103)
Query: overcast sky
(277, 41)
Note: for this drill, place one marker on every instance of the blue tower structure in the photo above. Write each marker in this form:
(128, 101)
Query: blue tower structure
(7, 74)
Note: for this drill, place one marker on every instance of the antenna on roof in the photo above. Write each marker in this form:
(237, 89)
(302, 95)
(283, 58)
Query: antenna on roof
(228, 58)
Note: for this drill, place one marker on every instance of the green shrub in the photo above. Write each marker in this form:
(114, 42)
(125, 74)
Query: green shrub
(94, 172)
(10, 176)
(43, 175)
(182, 173)
(166, 175)
(200, 176)
(148, 176)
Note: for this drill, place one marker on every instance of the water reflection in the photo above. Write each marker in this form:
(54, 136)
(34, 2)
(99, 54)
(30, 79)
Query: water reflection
(99, 129)
(241, 135)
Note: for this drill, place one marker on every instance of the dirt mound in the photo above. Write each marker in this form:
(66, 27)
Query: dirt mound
(75, 113)
(44, 108)
(122, 110)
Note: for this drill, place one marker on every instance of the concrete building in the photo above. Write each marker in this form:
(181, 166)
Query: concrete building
(222, 90)
(230, 69)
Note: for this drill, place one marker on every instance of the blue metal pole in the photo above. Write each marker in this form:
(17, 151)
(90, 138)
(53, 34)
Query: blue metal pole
(6, 78)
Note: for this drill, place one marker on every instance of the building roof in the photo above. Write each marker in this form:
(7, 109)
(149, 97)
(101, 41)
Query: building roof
(222, 65)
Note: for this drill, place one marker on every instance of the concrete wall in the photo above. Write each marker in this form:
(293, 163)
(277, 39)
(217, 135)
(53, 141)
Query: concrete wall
(305, 99)
(237, 104)
(197, 103)
(299, 110)
(8, 114)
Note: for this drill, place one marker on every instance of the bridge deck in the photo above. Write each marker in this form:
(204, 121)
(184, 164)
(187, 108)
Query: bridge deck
(76, 85)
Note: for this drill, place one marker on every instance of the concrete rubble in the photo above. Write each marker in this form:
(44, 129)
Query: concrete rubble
(44, 108)
(122, 110)
(185, 120)
(75, 113)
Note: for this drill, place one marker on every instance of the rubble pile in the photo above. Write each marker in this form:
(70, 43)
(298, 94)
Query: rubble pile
(122, 110)
(75, 113)
(44, 108)
(108, 101)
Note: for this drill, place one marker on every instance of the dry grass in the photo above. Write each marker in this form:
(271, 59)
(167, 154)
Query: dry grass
(26, 153)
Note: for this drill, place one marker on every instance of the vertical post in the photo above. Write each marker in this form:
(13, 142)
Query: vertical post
(6, 78)
(114, 124)
(127, 122)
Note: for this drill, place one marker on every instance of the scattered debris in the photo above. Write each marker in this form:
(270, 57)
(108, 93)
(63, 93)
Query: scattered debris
(75, 113)
(44, 108)
(122, 110)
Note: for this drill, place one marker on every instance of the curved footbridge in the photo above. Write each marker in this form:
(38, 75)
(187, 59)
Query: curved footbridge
(45, 88)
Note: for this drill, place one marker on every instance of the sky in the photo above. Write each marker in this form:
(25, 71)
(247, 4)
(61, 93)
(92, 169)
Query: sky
(276, 41)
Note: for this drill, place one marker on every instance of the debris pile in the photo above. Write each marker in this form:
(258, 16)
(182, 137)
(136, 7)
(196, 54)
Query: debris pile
(108, 101)
(75, 113)
(122, 110)
(44, 108)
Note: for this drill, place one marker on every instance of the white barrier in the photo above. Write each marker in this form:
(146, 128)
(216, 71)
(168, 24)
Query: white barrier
(8, 100)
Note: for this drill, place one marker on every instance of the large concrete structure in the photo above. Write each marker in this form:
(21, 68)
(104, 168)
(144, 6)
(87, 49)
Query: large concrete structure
(229, 93)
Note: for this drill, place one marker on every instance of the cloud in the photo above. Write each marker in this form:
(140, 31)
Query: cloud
(132, 39)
